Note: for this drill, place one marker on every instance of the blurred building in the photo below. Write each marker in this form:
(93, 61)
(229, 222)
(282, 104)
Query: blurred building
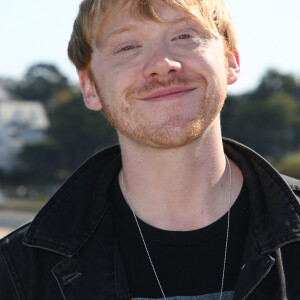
(21, 122)
(4, 95)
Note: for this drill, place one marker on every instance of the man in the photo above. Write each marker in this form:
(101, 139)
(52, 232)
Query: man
(169, 214)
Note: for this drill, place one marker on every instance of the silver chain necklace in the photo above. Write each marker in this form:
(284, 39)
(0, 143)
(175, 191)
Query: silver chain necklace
(145, 245)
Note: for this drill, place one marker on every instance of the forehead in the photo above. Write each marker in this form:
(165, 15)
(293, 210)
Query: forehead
(155, 10)
(133, 13)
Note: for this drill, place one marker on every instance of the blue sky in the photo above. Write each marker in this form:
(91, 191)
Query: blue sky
(35, 31)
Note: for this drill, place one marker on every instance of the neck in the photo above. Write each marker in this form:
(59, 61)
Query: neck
(181, 188)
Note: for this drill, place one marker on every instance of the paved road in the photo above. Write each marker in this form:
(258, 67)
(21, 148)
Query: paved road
(10, 220)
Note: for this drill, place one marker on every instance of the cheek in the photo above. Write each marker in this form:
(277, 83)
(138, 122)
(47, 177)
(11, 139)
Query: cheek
(125, 78)
(123, 69)
(199, 63)
(114, 85)
(214, 66)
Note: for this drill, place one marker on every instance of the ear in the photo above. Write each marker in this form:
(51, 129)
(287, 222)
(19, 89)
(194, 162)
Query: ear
(233, 67)
(91, 99)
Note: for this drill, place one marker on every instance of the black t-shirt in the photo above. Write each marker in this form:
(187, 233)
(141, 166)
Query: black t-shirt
(189, 264)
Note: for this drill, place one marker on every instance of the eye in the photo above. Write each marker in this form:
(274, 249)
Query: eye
(126, 48)
(189, 37)
(184, 36)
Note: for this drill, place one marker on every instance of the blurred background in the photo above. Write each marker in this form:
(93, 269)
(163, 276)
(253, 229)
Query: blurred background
(46, 132)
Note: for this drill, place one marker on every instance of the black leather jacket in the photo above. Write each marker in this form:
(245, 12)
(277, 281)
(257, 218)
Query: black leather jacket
(70, 251)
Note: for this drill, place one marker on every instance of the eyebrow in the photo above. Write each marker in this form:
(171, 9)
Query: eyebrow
(181, 20)
(135, 27)
(116, 33)
(121, 30)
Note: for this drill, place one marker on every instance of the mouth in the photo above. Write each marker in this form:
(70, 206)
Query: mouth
(166, 94)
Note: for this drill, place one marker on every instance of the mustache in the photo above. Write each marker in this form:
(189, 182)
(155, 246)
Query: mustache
(155, 84)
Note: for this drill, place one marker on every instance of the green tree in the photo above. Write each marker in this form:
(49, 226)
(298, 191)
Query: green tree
(290, 165)
(41, 82)
(40, 162)
(270, 126)
(275, 82)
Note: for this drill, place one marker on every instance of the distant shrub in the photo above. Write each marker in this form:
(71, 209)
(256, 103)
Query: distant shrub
(290, 165)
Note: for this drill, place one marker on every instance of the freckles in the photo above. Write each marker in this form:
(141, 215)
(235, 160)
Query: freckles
(115, 76)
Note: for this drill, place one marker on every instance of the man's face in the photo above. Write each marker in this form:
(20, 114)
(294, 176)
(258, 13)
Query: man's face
(160, 84)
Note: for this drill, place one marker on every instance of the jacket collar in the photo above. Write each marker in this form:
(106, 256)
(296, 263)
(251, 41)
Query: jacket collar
(71, 216)
(79, 205)
(275, 208)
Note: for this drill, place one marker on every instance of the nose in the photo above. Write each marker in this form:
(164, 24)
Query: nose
(160, 65)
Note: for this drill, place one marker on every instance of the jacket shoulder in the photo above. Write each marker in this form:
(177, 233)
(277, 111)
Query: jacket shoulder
(294, 184)
(14, 240)
(16, 235)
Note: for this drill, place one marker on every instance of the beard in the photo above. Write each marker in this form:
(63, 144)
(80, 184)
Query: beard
(177, 125)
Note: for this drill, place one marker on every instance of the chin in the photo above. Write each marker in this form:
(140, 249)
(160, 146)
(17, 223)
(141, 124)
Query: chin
(165, 137)
(175, 131)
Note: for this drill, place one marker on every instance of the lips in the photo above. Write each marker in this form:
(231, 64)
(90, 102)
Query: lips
(167, 93)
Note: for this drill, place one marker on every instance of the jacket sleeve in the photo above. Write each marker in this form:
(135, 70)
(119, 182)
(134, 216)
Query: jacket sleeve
(7, 288)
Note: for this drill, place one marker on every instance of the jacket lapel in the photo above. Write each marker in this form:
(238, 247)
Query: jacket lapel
(98, 272)
(274, 222)
(255, 267)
